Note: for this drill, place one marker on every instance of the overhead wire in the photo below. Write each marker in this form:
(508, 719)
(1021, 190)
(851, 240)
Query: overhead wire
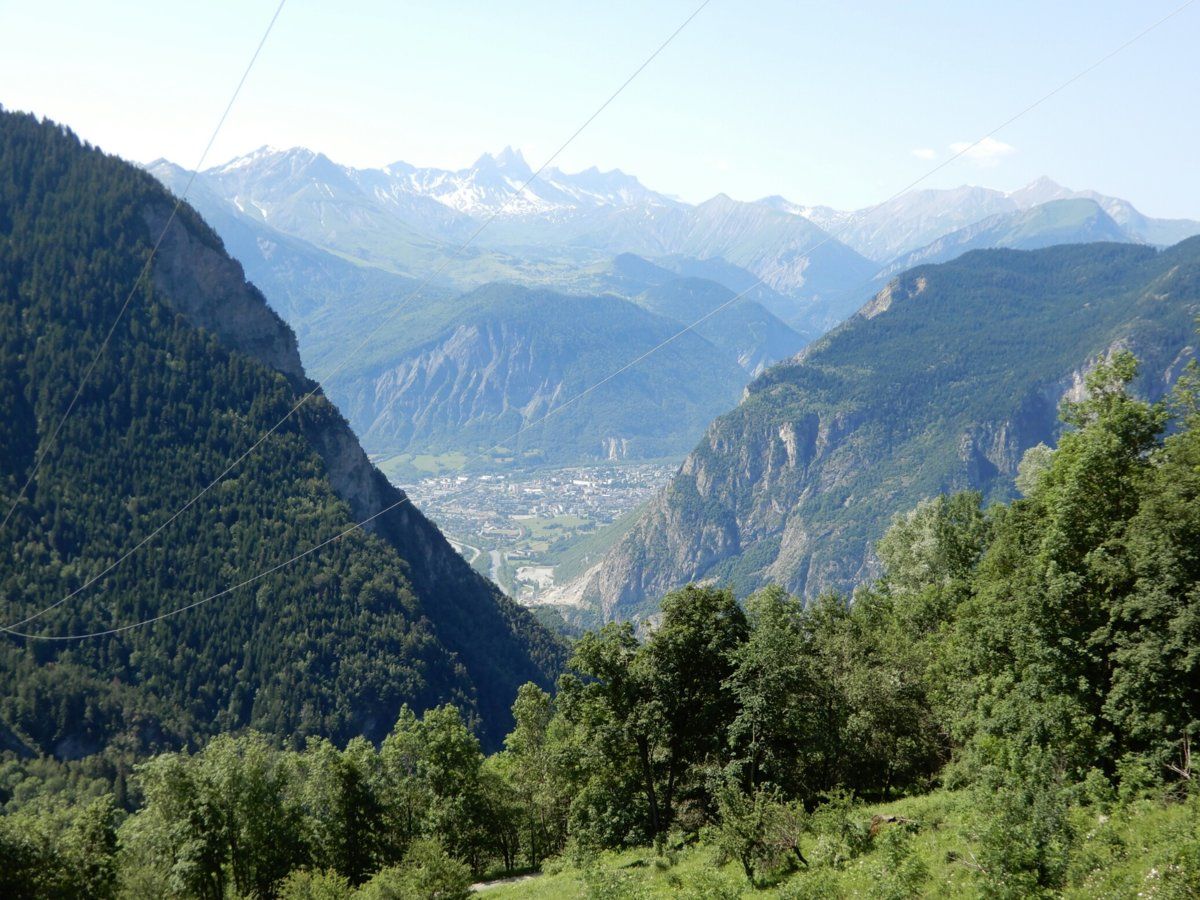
(353, 353)
(49, 443)
(404, 498)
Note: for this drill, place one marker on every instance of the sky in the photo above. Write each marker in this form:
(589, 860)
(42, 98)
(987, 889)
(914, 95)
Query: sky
(840, 104)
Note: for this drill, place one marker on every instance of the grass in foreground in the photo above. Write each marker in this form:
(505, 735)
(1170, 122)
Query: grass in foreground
(1145, 848)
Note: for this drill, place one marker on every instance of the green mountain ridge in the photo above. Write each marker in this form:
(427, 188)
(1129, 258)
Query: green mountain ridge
(199, 368)
(940, 383)
(1069, 221)
(745, 330)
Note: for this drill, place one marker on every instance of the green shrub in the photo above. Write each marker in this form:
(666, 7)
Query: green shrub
(555, 865)
(1137, 777)
(841, 833)
(428, 873)
(1027, 837)
(613, 884)
(305, 884)
(710, 884)
(1097, 790)
(743, 824)
(904, 873)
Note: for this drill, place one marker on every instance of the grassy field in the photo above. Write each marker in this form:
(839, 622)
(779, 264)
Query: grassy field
(1146, 848)
(541, 532)
(574, 559)
(406, 466)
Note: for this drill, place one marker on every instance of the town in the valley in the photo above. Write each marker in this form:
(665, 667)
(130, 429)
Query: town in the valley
(532, 531)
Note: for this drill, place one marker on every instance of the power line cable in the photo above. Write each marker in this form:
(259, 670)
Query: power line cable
(573, 399)
(141, 275)
(401, 304)
(370, 334)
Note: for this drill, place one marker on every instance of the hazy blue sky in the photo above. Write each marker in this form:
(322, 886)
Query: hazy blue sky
(836, 103)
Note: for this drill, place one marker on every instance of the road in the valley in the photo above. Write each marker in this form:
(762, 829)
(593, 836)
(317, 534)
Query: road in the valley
(475, 551)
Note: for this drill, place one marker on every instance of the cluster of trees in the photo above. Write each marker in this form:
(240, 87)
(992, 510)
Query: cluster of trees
(414, 816)
(1040, 653)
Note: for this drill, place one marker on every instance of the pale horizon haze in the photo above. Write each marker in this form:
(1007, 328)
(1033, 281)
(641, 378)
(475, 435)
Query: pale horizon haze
(840, 106)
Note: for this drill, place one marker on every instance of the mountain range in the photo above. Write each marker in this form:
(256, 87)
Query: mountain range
(940, 383)
(339, 252)
(413, 221)
(917, 218)
(818, 263)
(395, 214)
(1069, 221)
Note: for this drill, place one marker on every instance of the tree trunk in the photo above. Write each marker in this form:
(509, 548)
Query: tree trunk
(648, 778)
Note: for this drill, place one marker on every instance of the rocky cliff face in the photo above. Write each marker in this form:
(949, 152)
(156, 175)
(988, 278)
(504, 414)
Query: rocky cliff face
(512, 356)
(940, 384)
(488, 368)
(210, 289)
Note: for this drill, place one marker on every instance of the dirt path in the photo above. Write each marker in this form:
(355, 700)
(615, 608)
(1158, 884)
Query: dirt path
(514, 879)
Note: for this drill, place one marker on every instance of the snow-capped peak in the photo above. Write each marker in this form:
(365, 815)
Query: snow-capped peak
(249, 159)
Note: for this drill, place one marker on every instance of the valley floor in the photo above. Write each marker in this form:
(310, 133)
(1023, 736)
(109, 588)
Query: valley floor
(533, 531)
(1146, 848)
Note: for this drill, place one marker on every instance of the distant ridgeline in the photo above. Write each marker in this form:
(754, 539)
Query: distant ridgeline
(940, 383)
(472, 359)
(503, 373)
(196, 371)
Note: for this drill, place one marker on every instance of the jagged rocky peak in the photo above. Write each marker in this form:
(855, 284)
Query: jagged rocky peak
(509, 161)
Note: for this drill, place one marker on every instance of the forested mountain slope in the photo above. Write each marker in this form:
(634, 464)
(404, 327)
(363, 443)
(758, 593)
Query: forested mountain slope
(744, 329)
(196, 371)
(940, 383)
(508, 356)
